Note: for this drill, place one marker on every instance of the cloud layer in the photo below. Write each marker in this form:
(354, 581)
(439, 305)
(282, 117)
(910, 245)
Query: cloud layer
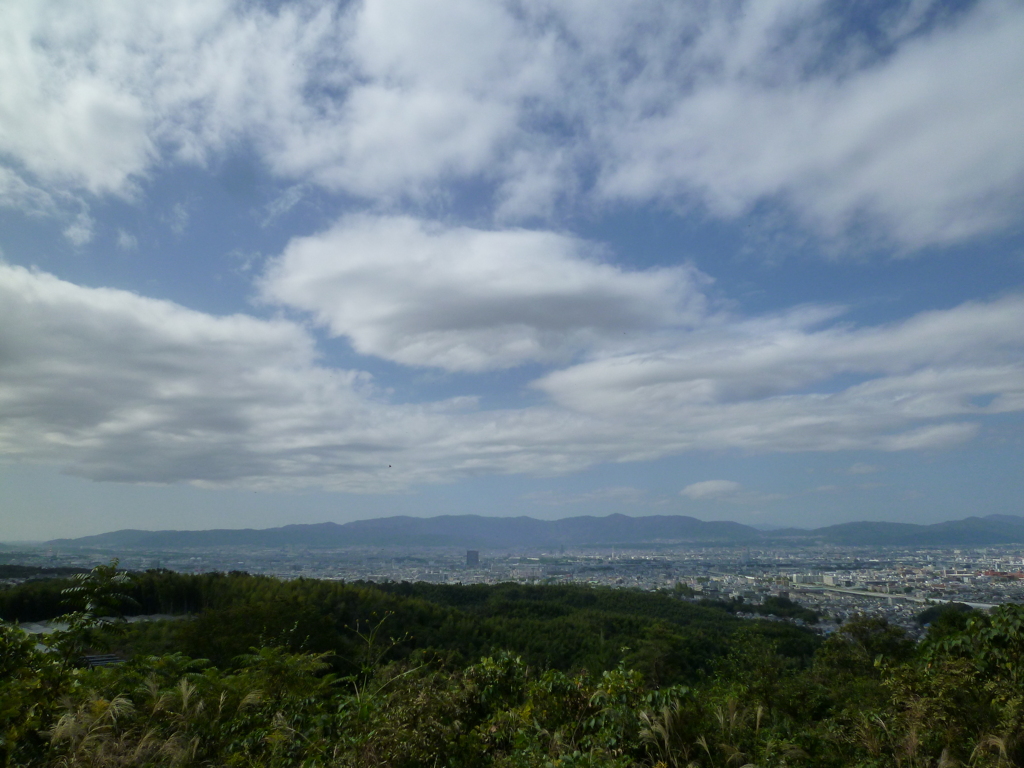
(113, 386)
(118, 387)
(784, 383)
(903, 120)
(471, 300)
(455, 146)
(712, 489)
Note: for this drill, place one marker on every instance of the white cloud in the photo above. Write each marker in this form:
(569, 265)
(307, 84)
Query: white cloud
(16, 193)
(119, 387)
(768, 384)
(938, 436)
(70, 110)
(971, 347)
(283, 203)
(712, 489)
(720, 105)
(114, 386)
(126, 241)
(178, 218)
(920, 143)
(98, 94)
(728, 491)
(471, 300)
(80, 231)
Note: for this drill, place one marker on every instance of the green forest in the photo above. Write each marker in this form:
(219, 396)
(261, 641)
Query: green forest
(254, 671)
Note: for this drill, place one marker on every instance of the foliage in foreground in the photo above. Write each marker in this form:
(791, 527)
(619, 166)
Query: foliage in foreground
(867, 697)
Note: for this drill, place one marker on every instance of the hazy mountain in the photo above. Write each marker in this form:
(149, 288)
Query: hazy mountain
(971, 531)
(1012, 519)
(446, 530)
(474, 531)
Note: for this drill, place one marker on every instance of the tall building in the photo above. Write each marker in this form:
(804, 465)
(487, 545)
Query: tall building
(472, 557)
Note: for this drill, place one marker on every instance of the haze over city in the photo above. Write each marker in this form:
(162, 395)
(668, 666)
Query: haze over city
(299, 262)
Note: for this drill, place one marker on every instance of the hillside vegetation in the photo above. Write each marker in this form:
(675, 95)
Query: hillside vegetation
(312, 673)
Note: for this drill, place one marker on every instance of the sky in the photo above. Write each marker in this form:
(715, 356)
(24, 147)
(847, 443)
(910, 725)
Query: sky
(291, 262)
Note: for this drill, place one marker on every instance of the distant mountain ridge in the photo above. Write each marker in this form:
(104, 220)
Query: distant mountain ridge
(971, 531)
(475, 531)
(446, 530)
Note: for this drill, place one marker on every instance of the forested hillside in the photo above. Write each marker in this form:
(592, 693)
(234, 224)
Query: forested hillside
(312, 673)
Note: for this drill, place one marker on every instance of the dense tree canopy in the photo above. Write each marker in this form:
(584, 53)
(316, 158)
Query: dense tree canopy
(311, 673)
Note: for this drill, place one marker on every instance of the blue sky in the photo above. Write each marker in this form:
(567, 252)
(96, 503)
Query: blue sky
(295, 262)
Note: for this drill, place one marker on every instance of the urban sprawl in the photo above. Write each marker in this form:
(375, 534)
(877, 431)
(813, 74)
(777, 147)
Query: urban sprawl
(835, 582)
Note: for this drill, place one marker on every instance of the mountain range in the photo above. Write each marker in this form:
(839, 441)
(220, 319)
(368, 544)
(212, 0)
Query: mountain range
(475, 531)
